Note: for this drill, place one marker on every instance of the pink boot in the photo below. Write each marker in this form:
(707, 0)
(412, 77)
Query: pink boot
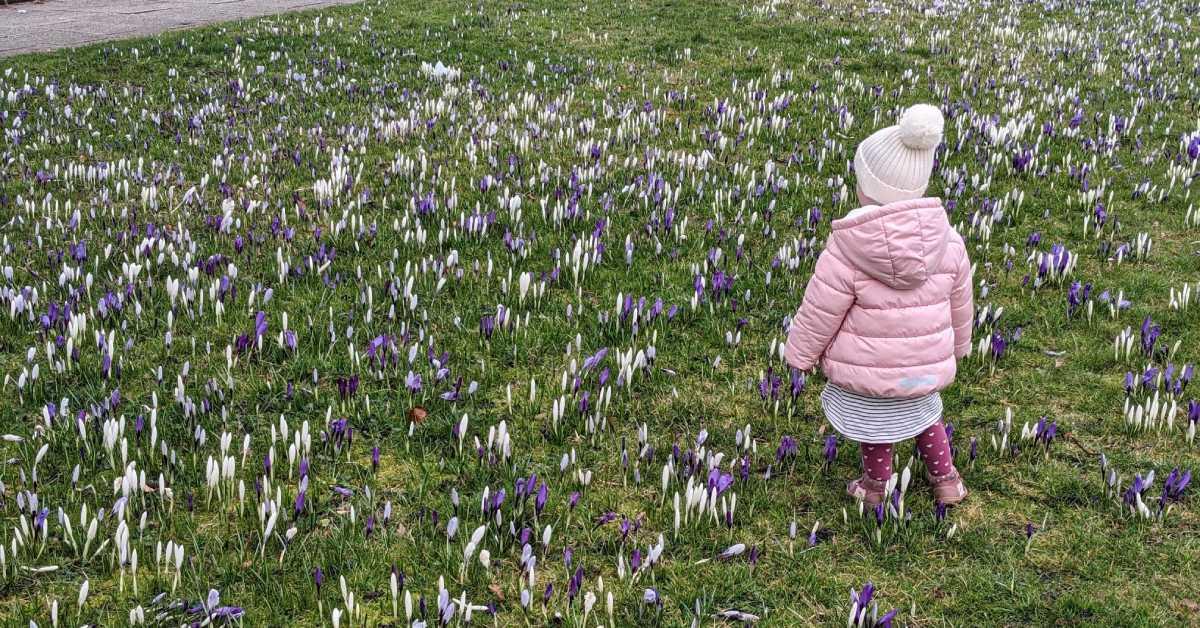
(866, 490)
(948, 489)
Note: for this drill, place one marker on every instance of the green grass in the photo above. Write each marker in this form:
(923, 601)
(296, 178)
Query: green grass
(598, 64)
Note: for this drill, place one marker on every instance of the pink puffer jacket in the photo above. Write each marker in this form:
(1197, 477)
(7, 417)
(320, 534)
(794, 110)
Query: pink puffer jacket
(889, 308)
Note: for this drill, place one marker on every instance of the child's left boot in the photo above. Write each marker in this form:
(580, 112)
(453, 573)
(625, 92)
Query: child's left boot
(949, 488)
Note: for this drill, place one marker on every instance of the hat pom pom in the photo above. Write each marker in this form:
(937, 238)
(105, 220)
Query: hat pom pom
(921, 127)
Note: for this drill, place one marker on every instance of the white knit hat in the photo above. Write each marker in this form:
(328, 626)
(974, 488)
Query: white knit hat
(894, 164)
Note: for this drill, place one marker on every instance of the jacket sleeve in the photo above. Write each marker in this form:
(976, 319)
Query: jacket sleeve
(827, 299)
(962, 304)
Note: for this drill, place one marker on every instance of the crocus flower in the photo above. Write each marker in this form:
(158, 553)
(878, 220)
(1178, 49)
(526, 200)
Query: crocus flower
(830, 450)
(1150, 334)
(787, 448)
(574, 585)
(1175, 484)
(860, 602)
(540, 501)
(732, 551)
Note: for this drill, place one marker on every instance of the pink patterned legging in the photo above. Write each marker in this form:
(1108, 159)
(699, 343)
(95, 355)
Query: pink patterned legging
(932, 446)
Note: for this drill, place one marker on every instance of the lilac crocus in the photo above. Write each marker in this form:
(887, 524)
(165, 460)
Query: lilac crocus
(412, 382)
(260, 325)
(731, 552)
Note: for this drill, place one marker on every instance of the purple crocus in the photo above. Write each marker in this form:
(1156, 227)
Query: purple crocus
(540, 501)
(1150, 334)
(787, 448)
(999, 345)
(574, 585)
(719, 480)
(1077, 295)
(260, 325)
(860, 602)
(1175, 484)
(830, 450)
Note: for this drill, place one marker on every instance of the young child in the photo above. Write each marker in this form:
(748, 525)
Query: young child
(889, 310)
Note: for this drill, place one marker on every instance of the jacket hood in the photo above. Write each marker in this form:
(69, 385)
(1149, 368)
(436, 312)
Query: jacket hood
(899, 244)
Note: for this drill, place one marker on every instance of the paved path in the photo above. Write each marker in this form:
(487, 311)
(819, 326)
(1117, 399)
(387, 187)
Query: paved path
(52, 24)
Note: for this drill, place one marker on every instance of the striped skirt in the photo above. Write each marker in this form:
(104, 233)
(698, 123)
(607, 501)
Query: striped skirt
(875, 420)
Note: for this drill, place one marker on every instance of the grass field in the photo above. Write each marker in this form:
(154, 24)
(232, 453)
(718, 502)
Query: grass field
(302, 328)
